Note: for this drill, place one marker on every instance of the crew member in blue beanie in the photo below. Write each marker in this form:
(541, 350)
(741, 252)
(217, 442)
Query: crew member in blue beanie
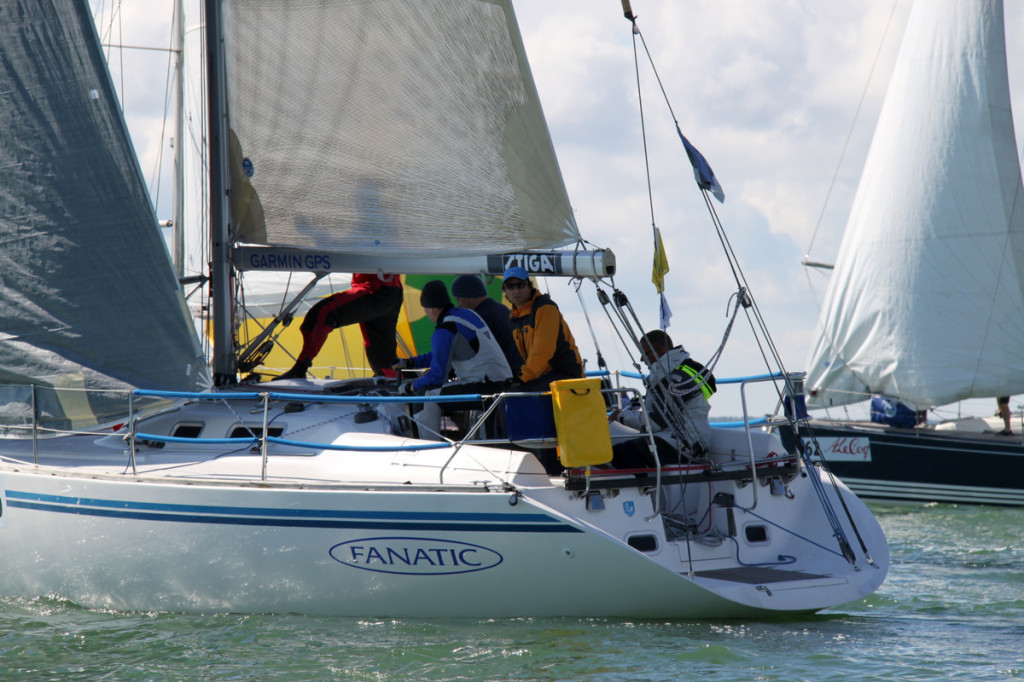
(469, 292)
(461, 342)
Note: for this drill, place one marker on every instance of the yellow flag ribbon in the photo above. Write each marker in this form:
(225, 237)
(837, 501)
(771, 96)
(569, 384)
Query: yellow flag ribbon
(660, 262)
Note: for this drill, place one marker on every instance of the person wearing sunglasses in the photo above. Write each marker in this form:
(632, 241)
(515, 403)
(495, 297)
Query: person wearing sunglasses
(541, 334)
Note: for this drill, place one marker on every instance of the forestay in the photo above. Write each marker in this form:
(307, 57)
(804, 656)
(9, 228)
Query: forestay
(926, 302)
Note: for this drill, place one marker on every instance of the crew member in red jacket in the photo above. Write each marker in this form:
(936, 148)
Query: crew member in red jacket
(374, 302)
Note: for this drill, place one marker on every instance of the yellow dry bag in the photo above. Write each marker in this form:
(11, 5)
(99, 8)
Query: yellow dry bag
(581, 422)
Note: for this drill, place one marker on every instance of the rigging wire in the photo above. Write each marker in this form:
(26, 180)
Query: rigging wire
(643, 132)
(155, 183)
(105, 29)
(757, 321)
(601, 364)
(849, 135)
(766, 346)
(106, 37)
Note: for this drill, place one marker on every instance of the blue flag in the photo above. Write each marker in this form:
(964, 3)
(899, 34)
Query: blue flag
(701, 170)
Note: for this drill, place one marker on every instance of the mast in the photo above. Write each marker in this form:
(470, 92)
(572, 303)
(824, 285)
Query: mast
(224, 361)
(178, 29)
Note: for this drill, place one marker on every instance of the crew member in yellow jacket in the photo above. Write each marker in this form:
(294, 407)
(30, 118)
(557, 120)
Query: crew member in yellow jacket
(541, 334)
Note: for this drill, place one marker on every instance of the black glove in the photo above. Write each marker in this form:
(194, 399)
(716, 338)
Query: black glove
(401, 363)
(407, 388)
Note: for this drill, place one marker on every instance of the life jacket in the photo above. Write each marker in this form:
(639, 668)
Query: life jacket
(480, 359)
(564, 357)
(690, 378)
(686, 384)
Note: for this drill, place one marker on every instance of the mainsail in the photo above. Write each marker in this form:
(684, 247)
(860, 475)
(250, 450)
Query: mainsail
(926, 302)
(89, 297)
(404, 137)
(402, 128)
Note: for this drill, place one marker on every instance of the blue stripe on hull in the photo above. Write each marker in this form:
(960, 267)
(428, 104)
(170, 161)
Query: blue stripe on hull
(293, 518)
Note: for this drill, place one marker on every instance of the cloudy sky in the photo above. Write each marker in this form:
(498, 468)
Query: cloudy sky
(781, 96)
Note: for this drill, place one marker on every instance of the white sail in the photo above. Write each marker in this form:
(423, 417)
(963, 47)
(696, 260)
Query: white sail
(193, 228)
(89, 297)
(397, 128)
(926, 302)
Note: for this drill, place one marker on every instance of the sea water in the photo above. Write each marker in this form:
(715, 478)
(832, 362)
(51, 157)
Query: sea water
(952, 608)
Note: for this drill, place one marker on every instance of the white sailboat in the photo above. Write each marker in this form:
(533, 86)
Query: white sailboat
(926, 302)
(414, 142)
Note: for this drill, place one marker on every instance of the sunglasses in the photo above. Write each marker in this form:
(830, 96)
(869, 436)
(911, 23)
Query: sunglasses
(513, 285)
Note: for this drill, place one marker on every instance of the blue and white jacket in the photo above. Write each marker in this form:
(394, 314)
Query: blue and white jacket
(463, 342)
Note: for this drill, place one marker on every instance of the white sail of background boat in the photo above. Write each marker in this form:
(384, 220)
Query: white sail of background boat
(357, 136)
(926, 302)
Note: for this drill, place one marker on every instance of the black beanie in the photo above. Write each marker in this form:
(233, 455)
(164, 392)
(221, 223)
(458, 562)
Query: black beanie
(435, 295)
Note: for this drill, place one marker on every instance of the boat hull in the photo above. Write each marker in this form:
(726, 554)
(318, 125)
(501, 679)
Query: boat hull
(881, 462)
(192, 547)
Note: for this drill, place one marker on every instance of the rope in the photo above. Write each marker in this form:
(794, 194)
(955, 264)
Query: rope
(713, 360)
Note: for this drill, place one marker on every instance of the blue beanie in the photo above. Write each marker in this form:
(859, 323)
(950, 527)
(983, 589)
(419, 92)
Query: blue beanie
(468, 286)
(516, 272)
(435, 295)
